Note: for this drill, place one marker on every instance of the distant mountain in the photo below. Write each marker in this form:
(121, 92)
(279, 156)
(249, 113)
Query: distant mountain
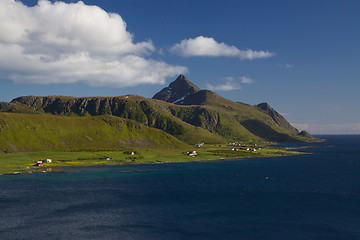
(182, 110)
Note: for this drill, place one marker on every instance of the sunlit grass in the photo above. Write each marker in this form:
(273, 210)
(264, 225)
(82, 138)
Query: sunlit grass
(25, 162)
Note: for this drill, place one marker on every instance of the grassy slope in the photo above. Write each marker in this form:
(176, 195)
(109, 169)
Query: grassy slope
(39, 132)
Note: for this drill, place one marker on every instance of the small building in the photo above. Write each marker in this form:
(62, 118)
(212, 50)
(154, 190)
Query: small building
(108, 158)
(132, 153)
(193, 153)
(39, 164)
(254, 150)
(48, 160)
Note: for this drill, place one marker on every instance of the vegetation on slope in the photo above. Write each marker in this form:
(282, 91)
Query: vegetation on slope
(39, 132)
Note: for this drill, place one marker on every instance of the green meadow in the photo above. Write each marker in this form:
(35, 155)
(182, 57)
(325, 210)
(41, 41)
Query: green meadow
(25, 162)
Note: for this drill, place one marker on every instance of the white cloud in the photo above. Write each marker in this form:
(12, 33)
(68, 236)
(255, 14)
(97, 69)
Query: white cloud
(230, 83)
(227, 86)
(205, 46)
(246, 80)
(65, 43)
(345, 128)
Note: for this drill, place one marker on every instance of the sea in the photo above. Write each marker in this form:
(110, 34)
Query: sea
(313, 196)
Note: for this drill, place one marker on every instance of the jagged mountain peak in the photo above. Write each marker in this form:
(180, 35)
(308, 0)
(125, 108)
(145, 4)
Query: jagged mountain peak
(177, 90)
(182, 83)
(264, 106)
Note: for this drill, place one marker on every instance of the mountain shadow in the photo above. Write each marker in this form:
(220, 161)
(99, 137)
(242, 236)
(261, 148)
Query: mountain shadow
(264, 131)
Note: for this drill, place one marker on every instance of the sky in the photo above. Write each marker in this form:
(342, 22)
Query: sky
(300, 56)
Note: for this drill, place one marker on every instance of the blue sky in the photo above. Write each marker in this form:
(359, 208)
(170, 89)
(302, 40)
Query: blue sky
(302, 57)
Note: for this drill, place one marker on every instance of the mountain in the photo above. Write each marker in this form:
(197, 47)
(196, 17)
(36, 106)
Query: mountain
(177, 91)
(182, 110)
(231, 119)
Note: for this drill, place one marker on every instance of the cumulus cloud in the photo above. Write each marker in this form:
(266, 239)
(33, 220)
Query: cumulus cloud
(230, 83)
(208, 47)
(66, 43)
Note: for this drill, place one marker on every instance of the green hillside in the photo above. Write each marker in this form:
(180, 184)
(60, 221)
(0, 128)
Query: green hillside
(40, 132)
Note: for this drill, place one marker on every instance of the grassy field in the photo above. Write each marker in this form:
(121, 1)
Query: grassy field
(24, 162)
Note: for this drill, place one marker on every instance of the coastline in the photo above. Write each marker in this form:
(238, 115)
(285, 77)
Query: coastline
(169, 159)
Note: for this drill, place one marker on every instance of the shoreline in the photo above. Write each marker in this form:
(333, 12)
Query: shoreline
(60, 169)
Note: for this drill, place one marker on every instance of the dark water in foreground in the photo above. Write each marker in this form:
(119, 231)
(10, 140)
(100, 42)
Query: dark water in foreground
(304, 197)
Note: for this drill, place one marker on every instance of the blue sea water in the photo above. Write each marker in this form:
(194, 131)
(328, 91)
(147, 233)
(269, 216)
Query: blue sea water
(313, 197)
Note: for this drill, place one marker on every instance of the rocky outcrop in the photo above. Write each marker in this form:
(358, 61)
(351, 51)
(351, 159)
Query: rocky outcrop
(305, 134)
